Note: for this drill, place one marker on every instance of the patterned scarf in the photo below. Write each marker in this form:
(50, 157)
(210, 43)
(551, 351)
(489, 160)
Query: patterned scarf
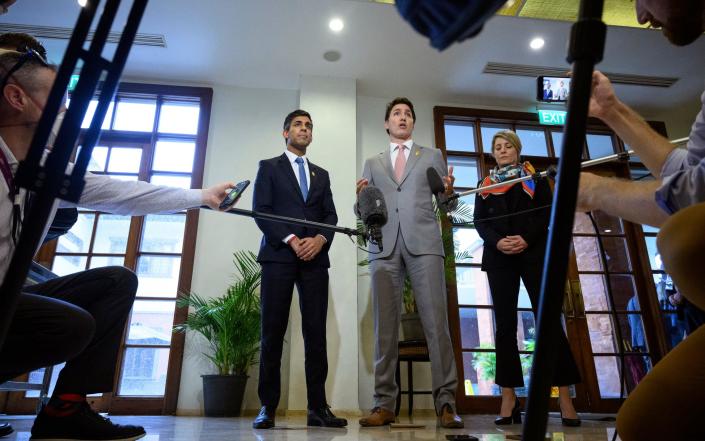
(506, 173)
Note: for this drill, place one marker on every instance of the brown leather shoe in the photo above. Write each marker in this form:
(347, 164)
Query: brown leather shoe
(450, 419)
(378, 417)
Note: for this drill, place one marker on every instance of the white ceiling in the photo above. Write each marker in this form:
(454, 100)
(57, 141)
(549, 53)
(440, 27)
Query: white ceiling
(270, 43)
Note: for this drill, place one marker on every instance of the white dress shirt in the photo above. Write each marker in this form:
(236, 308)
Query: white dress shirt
(394, 151)
(295, 167)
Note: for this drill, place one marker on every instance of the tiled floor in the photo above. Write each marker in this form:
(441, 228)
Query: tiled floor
(164, 428)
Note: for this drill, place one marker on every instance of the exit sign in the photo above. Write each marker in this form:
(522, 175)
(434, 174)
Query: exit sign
(552, 117)
(72, 82)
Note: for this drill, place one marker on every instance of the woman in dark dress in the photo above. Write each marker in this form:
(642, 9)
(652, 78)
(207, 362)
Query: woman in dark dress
(514, 249)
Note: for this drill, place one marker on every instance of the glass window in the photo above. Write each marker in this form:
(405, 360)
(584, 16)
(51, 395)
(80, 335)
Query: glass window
(557, 139)
(125, 177)
(460, 136)
(158, 275)
(179, 118)
(479, 369)
(78, 239)
(144, 372)
(616, 254)
(487, 132)
(163, 233)
(464, 170)
(175, 156)
(99, 157)
(533, 142)
(467, 240)
(587, 253)
(472, 286)
(135, 115)
(100, 261)
(125, 160)
(477, 327)
(65, 265)
(151, 322)
(111, 234)
(599, 145)
(90, 111)
(171, 180)
(654, 256)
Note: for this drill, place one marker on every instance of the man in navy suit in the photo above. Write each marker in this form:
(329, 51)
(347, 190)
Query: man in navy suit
(289, 185)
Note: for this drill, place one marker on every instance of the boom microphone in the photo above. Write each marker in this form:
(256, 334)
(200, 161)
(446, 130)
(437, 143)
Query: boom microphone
(447, 21)
(373, 213)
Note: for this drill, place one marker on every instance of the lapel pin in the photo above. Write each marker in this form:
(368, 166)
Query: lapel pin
(417, 153)
(313, 173)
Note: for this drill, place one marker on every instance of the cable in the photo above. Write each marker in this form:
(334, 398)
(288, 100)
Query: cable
(474, 221)
(362, 249)
(615, 316)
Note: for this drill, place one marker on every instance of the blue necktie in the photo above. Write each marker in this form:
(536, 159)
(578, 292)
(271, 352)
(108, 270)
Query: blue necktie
(302, 177)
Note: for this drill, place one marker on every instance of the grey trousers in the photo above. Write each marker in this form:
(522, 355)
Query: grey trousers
(428, 281)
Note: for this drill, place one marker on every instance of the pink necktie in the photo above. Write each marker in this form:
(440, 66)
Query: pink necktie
(400, 163)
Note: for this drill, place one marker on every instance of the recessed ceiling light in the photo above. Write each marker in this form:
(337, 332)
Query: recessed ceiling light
(336, 24)
(332, 56)
(82, 3)
(537, 43)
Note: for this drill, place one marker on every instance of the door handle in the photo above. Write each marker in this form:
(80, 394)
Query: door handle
(568, 306)
(577, 294)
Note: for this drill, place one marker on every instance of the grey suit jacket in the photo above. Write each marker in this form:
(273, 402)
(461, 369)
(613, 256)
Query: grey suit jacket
(408, 203)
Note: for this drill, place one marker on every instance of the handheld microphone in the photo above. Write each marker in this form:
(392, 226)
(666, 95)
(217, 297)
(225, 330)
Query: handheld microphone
(373, 213)
(438, 189)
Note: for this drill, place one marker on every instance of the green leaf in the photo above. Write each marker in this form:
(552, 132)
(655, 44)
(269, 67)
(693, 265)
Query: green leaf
(231, 323)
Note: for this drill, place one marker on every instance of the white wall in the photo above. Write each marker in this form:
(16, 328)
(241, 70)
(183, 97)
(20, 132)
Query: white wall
(245, 127)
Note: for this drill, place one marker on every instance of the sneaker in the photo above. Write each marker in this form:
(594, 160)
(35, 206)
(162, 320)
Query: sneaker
(85, 424)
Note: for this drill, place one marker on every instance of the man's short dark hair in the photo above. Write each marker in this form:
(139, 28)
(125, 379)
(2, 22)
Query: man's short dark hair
(27, 74)
(21, 42)
(290, 117)
(399, 100)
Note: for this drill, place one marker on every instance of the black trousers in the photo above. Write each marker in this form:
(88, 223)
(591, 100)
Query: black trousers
(504, 286)
(78, 319)
(278, 280)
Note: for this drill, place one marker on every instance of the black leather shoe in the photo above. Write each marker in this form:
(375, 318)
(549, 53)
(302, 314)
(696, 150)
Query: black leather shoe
(84, 424)
(325, 418)
(265, 419)
(515, 417)
(5, 429)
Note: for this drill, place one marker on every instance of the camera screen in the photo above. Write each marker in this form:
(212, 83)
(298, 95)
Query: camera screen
(552, 89)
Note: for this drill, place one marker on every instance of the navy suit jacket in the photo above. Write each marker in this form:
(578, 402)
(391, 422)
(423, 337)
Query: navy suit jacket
(277, 192)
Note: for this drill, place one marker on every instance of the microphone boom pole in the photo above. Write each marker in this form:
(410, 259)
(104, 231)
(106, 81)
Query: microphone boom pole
(548, 173)
(291, 221)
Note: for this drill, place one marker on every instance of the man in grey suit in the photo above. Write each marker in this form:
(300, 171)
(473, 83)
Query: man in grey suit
(412, 246)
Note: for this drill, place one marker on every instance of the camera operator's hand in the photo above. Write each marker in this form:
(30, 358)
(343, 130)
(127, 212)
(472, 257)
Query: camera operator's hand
(603, 101)
(360, 184)
(448, 182)
(213, 196)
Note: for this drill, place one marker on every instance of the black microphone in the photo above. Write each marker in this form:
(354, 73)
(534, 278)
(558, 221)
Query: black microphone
(373, 213)
(437, 188)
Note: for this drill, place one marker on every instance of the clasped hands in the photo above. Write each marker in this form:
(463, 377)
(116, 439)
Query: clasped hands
(308, 247)
(512, 244)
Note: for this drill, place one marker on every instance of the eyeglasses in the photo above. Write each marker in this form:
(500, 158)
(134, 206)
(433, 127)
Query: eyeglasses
(27, 56)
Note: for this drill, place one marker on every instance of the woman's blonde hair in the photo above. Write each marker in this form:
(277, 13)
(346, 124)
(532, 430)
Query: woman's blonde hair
(510, 136)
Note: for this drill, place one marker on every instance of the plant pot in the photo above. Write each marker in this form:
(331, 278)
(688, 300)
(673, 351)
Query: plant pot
(223, 394)
(411, 326)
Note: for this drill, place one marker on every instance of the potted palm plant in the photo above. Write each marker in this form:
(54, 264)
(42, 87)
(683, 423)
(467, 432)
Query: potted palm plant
(231, 326)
